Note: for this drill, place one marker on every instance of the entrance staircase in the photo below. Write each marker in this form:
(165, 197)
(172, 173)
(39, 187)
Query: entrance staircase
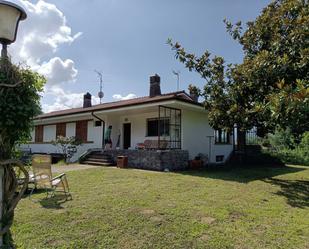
(98, 158)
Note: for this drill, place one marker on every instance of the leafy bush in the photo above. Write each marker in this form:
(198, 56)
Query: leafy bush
(283, 145)
(296, 156)
(68, 146)
(20, 90)
(304, 143)
(281, 139)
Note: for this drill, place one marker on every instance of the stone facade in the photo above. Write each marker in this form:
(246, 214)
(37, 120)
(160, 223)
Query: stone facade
(153, 159)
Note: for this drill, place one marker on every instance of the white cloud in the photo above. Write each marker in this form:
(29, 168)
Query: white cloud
(39, 38)
(65, 100)
(120, 97)
(42, 32)
(57, 71)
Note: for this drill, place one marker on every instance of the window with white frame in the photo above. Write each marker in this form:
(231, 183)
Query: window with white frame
(222, 137)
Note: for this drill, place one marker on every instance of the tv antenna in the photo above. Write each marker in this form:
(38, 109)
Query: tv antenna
(177, 73)
(100, 93)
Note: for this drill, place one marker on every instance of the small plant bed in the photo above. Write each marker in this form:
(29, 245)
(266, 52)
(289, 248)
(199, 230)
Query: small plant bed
(128, 208)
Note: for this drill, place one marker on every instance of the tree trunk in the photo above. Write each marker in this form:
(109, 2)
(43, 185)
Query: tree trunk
(241, 140)
(240, 147)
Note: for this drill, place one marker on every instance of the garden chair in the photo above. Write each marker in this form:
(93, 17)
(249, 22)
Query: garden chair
(42, 177)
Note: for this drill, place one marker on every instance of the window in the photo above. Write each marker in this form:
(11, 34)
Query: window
(38, 137)
(219, 158)
(81, 130)
(153, 127)
(61, 129)
(222, 137)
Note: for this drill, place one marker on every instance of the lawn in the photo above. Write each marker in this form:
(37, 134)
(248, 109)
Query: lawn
(127, 208)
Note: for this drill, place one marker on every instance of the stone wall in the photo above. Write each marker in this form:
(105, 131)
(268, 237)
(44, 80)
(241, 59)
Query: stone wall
(153, 159)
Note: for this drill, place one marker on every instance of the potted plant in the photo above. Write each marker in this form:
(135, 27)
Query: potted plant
(196, 163)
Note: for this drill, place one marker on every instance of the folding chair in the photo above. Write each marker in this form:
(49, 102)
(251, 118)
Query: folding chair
(42, 177)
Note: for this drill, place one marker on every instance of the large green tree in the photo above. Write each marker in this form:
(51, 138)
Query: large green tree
(270, 86)
(19, 103)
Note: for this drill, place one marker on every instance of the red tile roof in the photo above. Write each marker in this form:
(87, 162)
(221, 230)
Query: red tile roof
(180, 95)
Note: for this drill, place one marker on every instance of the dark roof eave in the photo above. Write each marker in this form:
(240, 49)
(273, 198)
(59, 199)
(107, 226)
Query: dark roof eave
(92, 109)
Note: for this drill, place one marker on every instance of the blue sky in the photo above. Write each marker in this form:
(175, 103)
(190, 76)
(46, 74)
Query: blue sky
(126, 41)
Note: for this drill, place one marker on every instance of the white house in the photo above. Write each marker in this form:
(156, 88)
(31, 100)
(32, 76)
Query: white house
(175, 121)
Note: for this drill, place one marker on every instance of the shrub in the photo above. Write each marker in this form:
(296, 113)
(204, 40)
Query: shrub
(282, 139)
(68, 145)
(304, 143)
(284, 146)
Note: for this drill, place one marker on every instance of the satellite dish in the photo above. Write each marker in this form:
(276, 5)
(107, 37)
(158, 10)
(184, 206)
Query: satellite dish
(101, 95)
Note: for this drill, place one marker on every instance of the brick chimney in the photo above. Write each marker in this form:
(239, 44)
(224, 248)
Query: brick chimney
(155, 89)
(194, 96)
(87, 100)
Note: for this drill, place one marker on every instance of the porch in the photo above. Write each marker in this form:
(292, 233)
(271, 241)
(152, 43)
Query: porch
(150, 128)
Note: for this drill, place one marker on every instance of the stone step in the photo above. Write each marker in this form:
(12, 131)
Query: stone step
(100, 156)
(98, 163)
(103, 160)
(97, 153)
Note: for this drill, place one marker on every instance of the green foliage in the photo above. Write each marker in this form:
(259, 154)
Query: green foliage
(285, 146)
(194, 89)
(19, 103)
(68, 145)
(297, 156)
(304, 143)
(282, 139)
(276, 52)
(215, 92)
(290, 106)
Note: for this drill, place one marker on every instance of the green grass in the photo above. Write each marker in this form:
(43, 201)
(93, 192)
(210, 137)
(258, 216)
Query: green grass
(126, 208)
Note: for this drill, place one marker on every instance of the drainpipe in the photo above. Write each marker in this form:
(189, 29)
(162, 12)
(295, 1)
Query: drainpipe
(103, 144)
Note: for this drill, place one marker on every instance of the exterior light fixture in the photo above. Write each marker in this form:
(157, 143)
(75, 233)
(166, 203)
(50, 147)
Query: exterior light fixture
(10, 15)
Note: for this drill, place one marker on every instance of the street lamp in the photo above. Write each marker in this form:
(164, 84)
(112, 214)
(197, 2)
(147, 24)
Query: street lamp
(10, 15)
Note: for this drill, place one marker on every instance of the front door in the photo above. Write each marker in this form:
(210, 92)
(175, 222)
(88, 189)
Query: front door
(126, 136)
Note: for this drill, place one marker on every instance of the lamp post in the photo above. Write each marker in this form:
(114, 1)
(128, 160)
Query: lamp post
(10, 15)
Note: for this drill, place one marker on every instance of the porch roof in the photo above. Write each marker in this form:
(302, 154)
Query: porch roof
(180, 96)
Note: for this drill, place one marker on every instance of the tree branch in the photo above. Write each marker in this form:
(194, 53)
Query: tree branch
(11, 85)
